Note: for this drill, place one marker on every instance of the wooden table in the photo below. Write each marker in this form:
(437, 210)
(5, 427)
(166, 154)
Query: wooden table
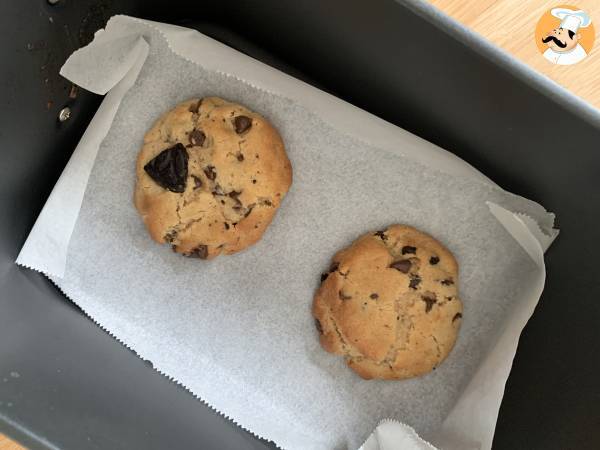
(510, 24)
(7, 444)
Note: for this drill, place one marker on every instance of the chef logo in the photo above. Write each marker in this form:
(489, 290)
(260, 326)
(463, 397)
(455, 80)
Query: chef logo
(565, 35)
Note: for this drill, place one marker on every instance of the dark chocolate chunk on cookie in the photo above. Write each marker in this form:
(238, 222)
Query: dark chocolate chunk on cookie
(169, 168)
(415, 280)
(403, 265)
(380, 234)
(199, 252)
(210, 172)
(196, 137)
(242, 124)
(409, 249)
(429, 300)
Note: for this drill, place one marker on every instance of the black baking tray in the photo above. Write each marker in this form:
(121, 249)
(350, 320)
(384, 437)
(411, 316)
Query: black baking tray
(65, 383)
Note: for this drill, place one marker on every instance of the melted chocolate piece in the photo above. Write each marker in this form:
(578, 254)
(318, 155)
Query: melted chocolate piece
(199, 252)
(210, 172)
(403, 265)
(415, 280)
(169, 168)
(196, 137)
(242, 124)
(380, 234)
(429, 302)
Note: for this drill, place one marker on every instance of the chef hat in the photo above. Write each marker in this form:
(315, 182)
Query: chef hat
(571, 20)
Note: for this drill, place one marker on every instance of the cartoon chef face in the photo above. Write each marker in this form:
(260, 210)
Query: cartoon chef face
(561, 40)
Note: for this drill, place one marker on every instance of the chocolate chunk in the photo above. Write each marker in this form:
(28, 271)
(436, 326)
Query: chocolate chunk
(253, 181)
(319, 327)
(195, 107)
(456, 316)
(226, 225)
(240, 157)
(447, 282)
(374, 296)
(434, 260)
(409, 249)
(210, 172)
(414, 281)
(169, 168)
(218, 190)
(197, 182)
(199, 252)
(381, 234)
(429, 301)
(242, 123)
(238, 204)
(344, 296)
(403, 265)
(197, 137)
(170, 236)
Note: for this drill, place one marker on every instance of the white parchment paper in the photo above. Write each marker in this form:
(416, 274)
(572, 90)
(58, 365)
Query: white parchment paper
(237, 331)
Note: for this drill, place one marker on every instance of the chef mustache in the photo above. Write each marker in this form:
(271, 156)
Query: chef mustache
(556, 41)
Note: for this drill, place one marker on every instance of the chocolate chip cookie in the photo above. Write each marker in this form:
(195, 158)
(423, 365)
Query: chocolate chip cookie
(210, 177)
(389, 304)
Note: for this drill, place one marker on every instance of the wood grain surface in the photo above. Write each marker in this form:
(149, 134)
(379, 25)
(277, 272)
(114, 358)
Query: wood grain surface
(7, 444)
(510, 24)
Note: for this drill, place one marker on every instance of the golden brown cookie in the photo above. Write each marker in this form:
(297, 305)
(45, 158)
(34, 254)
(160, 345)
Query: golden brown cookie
(389, 304)
(210, 177)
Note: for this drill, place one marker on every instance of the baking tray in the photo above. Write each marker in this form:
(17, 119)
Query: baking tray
(64, 383)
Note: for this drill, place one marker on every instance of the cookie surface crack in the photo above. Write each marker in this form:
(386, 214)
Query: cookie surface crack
(437, 346)
(339, 333)
(189, 223)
